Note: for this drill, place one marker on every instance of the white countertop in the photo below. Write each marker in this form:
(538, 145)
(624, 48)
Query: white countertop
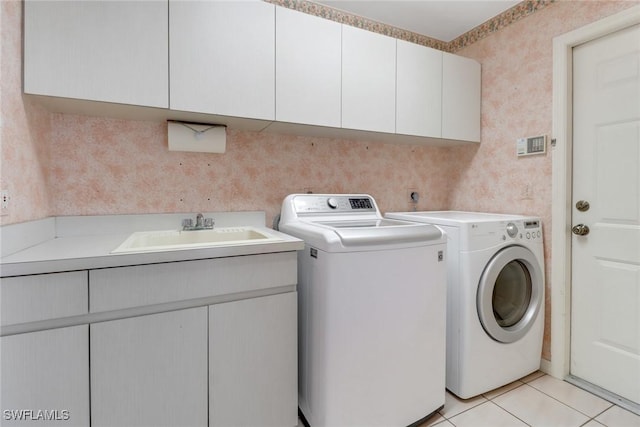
(63, 250)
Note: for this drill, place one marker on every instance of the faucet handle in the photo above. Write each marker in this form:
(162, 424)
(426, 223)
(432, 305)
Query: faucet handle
(187, 223)
(208, 222)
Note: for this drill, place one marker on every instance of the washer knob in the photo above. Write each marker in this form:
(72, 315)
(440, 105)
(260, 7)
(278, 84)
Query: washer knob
(332, 203)
(512, 229)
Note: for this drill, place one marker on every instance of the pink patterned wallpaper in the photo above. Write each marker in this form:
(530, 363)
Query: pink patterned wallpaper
(516, 102)
(24, 129)
(108, 166)
(55, 164)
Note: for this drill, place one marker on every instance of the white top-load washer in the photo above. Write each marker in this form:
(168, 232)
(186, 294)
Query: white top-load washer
(371, 313)
(495, 297)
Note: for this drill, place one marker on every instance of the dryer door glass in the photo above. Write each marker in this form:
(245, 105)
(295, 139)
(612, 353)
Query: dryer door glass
(510, 294)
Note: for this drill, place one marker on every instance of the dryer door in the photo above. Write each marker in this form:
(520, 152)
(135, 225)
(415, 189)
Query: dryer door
(510, 294)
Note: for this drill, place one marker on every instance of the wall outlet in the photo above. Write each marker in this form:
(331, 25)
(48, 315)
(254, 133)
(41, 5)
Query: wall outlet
(4, 201)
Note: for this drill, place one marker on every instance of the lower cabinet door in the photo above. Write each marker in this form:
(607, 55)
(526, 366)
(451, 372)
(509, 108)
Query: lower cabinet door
(253, 369)
(150, 370)
(45, 378)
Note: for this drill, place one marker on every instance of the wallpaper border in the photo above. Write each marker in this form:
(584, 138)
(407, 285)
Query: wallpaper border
(508, 17)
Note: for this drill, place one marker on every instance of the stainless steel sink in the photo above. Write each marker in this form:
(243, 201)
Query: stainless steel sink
(165, 240)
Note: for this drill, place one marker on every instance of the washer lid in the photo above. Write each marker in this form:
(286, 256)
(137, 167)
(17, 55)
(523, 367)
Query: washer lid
(454, 218)
(381, 231)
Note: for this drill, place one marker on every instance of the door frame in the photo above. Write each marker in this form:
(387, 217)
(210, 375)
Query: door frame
(562, 172)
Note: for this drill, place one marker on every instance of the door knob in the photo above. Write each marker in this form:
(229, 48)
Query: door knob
(580, 230)
(582, 205)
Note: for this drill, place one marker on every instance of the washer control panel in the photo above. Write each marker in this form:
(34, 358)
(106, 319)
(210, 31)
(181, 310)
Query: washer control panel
(326, 203)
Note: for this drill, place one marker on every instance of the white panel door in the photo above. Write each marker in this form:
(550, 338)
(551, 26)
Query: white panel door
(308, 69)
(605, 310)
(45, 371)
(113, 51)
(368, 80)
(419, 90)
(222, 57)
(253, 363)
(461, 91)
(150, 370)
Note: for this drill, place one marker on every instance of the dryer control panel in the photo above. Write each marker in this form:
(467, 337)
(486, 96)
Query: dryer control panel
(528, 229)
(484, 234)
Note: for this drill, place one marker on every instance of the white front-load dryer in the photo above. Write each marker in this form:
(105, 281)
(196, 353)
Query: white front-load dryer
(495, 297)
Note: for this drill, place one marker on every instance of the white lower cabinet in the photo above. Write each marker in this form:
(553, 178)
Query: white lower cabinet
(195, 343)
(150, 370)
(253, 363)
(229, 364)
(45, 378)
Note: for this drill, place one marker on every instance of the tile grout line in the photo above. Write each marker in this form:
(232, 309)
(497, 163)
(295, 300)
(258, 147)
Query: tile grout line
(569, 406)
(513, 415)
(506, 391)
(466, 410)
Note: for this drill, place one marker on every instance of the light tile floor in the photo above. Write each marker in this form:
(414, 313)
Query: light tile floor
(537, 400)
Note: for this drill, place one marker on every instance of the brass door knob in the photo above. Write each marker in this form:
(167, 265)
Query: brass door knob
(582, 205)
(580, 230)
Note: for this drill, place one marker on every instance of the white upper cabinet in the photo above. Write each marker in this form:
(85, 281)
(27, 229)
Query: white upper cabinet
(223, 58)
(246, 64)
(461, 93)
(419, 90)
(97, 50)
(308, 69)
(368, 80)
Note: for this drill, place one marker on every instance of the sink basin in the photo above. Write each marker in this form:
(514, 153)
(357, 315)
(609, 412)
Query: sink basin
(166, 240)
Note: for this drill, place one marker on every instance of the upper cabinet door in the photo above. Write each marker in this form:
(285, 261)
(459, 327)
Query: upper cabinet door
(223, 58)
(308, 69)
(112, 51)
(460, 98)
(368, 80)
(419, 90)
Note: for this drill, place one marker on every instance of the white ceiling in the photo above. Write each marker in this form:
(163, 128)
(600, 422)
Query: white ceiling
(439, 19)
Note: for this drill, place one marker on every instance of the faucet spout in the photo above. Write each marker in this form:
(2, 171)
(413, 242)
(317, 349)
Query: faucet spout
(202, 223)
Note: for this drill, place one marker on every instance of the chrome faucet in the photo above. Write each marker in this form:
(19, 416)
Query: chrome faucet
(199, 220)
(202, 223)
